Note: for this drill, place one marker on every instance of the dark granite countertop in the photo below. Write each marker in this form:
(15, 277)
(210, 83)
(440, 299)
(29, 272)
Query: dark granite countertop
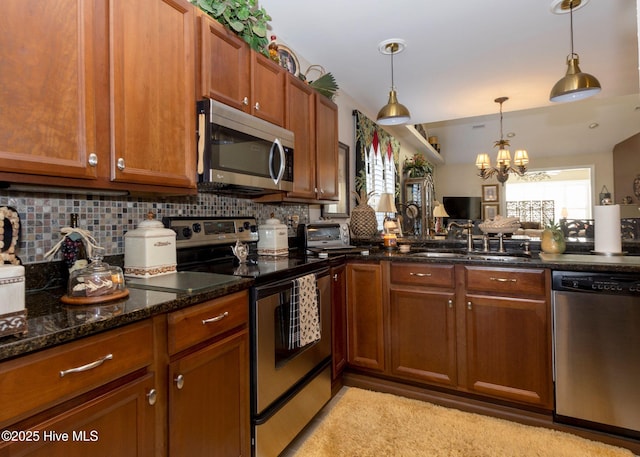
(50, 322)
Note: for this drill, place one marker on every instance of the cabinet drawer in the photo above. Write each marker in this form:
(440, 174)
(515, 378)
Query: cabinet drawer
(38, 381)
(420, 274)
(505, 280)
(206, 320)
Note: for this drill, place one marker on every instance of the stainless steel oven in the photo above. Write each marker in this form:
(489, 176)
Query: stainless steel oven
(289, 384)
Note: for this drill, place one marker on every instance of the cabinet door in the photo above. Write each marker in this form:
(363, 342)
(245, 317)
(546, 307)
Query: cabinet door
(423, 335)
(509, 348)
(47, 93)
(338, 319)
(224, 65)
(301, 121)
(119, 422)
(152, 92)
(326, 148)
(209, 400)
(365, 345)
(267, 89)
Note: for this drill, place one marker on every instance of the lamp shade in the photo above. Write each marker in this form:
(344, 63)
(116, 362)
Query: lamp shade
(439, 211)
(387, 203)
(393, 113)
(483, 160)
(521, 158)
(575, 85)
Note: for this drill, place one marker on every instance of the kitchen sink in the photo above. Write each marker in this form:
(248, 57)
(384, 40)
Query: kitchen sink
(504, 257)
(439, 254)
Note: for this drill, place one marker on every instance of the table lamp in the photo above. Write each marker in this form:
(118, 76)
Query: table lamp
(438, 213)
(387, 205)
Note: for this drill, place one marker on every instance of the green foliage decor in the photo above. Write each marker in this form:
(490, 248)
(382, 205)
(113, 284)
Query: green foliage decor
(417, 166)
(243, 17)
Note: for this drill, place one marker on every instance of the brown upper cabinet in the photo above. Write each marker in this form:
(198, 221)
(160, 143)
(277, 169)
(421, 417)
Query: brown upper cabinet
(233, 74)
(90, 105)
(47, 101)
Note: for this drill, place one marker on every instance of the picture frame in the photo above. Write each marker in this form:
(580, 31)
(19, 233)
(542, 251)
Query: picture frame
(288, 60)
(490, 211)
(490, 193)
(341, 208)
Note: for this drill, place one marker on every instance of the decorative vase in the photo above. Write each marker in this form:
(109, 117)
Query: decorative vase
(552, 241)
(363, 217)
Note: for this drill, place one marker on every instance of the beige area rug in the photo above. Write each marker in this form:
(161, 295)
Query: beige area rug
(364, 423)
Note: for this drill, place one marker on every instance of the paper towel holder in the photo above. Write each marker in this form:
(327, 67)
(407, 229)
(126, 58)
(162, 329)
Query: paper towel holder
(605, 196)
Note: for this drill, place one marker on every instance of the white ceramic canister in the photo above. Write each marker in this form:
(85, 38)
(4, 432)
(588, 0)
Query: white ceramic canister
(273, 238)
(150, 249)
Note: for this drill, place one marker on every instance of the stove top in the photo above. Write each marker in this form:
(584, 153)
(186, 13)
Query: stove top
(204, 245)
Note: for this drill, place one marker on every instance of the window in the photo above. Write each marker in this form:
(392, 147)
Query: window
(569, 189)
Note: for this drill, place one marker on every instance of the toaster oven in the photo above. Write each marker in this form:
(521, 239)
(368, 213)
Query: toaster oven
(324, 236)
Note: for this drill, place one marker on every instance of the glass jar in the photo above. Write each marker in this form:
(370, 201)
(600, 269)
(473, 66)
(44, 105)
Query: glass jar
(97, 279)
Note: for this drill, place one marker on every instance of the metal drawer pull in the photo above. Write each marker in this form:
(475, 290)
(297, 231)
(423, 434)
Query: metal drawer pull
(420, 275)
(503, 279)
(179, 381)
(219, 317)
(152, 396)
(87, 367)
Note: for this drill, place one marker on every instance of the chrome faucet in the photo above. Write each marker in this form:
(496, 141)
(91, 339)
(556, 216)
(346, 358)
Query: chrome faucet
(469, 227)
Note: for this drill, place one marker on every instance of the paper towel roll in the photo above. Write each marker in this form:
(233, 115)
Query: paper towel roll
(608, 238)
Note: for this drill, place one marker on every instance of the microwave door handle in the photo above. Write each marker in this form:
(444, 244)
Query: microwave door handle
(277, 144)
(201, 138)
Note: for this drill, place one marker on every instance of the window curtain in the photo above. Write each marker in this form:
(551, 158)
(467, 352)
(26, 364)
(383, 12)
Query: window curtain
(377, 161)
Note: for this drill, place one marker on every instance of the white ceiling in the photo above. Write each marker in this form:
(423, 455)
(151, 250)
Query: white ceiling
(463, 54)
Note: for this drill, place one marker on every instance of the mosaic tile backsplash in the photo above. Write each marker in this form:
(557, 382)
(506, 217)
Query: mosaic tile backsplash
(109, 218)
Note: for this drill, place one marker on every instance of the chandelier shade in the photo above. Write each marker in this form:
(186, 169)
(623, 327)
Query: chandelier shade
(574, 85)
(394, 112)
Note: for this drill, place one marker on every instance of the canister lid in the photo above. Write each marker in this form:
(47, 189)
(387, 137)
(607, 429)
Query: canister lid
(150, 227)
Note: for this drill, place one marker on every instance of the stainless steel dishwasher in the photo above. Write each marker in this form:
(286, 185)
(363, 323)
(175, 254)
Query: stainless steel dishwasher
(596, 342)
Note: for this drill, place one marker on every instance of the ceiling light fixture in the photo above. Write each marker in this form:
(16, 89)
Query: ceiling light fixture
(575, 85)
(503, 167)
(393, 113)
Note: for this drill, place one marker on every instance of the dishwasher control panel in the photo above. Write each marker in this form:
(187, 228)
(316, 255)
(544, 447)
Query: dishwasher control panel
(608, 283)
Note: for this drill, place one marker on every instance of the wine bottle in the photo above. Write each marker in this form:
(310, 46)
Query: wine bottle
(72, 247)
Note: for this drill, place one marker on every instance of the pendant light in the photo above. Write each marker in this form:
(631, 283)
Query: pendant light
(393, 113)
(575, 85)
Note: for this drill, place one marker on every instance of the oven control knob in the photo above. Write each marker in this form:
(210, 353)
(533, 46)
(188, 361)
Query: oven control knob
(187, 232)
(197, 227)
(246, 225)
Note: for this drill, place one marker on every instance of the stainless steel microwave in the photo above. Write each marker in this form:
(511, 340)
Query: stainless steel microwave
(241, 154)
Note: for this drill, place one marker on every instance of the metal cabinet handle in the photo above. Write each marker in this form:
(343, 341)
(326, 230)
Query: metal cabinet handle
(152, 396)
(120, 164)
(450, 303)
(420, 275)
(219, 317)
(93, 159)
(179, 381)
(87, 367)
(503, 279)
(257, 106)
(469, 305)
(335, 276)
(245, 101)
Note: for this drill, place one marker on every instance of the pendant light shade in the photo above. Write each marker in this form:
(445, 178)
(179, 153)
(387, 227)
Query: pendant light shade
(393, 113)
(575, 85)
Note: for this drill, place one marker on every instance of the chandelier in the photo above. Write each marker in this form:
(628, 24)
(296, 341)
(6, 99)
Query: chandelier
(503, 166)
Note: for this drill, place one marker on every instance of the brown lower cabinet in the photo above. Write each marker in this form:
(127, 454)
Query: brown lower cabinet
(175, 384)
(475, 329)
